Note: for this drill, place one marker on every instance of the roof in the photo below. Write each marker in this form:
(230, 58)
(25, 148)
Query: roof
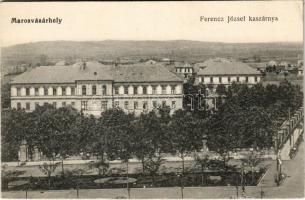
(182, 65)
(272, 63)
(144, 73)
(96, 71)
(222, 66)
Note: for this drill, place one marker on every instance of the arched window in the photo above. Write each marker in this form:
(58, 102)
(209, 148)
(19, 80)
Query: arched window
(104, 89)
(94, 90)
(84, 90)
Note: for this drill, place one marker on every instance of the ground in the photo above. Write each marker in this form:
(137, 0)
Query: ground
(292, 187)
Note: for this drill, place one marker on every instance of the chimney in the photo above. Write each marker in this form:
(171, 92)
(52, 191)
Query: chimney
(83, 66)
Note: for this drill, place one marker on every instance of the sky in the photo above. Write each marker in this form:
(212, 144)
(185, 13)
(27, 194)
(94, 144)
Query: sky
(91, 21)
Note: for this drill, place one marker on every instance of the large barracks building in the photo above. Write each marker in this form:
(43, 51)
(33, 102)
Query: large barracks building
(92, 87)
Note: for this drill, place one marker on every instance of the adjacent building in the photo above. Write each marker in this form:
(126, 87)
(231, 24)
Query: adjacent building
(92, 87)
(223, 71)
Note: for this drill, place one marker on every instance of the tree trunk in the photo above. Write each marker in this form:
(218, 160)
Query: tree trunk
(49, 183)
(252, 175)
(128, 189)
(143, 165)
(62, 166)
(182, 157)
(153, 176)
(202, 171)
(224, 162)
(102, 159)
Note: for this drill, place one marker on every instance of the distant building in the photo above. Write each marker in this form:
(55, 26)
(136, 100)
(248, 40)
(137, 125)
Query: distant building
(223, 71)
(300, 67)
(184, 69)
(92, 87)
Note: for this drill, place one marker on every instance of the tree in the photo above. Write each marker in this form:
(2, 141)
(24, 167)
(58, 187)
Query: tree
(153, 164)
(221, 90)
(93, 139)
(120, 127)
(186, 135)
(148, 135)
(252, 160)
(48, 169)
(203, 162)
(15, 128)
(5, 95)
(222, 136)
(54, 132)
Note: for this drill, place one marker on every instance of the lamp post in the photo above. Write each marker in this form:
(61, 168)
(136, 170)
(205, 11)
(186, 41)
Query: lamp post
(181, 184)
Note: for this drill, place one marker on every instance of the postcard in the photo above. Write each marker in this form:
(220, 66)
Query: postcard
(152, 100)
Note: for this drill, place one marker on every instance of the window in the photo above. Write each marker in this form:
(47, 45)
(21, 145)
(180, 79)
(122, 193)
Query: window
(36, 105)
(145, 105)
(36, 91)
(247, 80)
(173, 104)
(163, 89)
(27, 91)
(237, 78)
(229, 79)
(18, 92)
(55, 105)
(135, 90)
(154, 90)
(84, 105)
(84, 90)
(63, 91)
(116, 90)
(72, 91)
(45, 91)
(163, 104)
(94, 90)
(72, 103)
(27, 106)
(172, 89)
(104, 88)
(135, 105)
(255, 78)
(211, 79)
(63, 104)
(125, 89)
(116, 104)
(45, 103)
(144, 90)
(104, 105)
(126, 104)
(155, 104)
(220, 79)
(18, 106)
(54, 91)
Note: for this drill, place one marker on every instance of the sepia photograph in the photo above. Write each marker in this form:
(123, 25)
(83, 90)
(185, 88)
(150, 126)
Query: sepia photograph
(152, 100)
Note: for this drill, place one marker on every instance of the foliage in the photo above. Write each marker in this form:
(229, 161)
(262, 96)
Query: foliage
(186, 134)
(249, 116)
(48, 169)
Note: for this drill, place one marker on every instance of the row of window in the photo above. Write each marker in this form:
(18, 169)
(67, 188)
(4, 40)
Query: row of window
(94, 90)
(28, 105)
(229, 79)
(184, 70)
(84, 90)
(54, 91)
(84, 105)
(144, 91)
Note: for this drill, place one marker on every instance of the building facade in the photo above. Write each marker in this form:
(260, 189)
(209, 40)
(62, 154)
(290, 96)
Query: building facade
(222, 71)
(92, 88)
